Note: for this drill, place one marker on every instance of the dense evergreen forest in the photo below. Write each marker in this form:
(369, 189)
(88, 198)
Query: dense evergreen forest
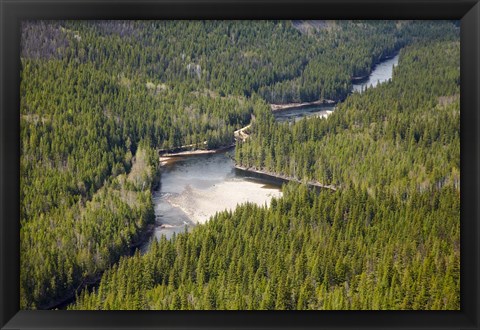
(399, 136)
(308, 251)
(99, 98)
(388, 240)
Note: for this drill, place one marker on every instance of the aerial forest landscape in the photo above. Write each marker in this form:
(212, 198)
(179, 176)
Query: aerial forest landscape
(240, 165)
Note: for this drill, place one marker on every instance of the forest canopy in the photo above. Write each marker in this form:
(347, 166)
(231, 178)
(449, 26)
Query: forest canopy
(100, 99)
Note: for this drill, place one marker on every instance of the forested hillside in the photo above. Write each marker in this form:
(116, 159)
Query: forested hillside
(389, 239)
(400, 136)
(98, 99)
(308, 251)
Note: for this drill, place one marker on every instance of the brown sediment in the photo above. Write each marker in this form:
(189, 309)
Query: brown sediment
(167, 158)
(287, 106)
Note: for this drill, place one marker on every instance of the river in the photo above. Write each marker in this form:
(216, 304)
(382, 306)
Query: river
(193, 188)
(381, 72)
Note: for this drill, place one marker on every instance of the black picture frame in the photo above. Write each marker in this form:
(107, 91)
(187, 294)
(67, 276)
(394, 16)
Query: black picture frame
(12, 12)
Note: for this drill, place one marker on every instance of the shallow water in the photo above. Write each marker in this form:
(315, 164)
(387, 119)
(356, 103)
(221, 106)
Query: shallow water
(194, 188)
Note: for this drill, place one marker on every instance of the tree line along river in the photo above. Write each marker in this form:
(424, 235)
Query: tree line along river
(195, 187)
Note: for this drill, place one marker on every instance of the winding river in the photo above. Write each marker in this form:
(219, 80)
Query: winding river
(193, 188)
(381, 72)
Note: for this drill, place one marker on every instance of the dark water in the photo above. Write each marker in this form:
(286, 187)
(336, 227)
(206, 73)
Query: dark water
(193, 188)
(381, 73)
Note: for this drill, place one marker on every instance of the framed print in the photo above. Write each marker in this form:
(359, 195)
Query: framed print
(239, 164)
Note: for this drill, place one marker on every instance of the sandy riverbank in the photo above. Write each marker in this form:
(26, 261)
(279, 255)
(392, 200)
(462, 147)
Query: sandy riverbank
(171, 157)
(201, 204)
(280, 107)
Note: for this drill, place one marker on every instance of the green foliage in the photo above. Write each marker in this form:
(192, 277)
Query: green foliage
(310, 251)
(99, 99)
(71, 244)
(400, 136)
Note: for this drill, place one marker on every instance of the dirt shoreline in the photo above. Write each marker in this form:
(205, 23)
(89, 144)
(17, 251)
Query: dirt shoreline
(166, 158)
(285, 178)
(289, 106)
